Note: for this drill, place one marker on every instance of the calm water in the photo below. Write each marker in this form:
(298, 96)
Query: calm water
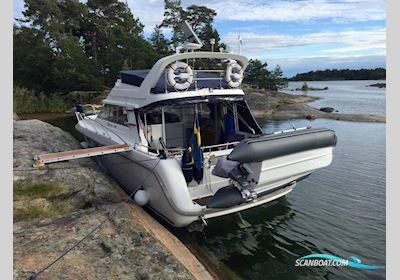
(339, 210)
(350, 97)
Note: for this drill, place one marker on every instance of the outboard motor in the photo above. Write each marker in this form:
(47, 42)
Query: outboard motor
(187, 165)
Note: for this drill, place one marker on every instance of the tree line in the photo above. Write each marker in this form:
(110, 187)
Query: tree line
(72, 45)
(343, 74)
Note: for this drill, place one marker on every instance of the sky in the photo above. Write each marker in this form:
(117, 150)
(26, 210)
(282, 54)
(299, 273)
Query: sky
(299, 35)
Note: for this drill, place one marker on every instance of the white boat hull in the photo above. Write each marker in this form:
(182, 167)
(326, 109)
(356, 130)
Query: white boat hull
(171, 197)
(158, 124)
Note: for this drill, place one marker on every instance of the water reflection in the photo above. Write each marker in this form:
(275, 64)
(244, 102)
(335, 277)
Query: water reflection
(254, 243)
(339, 210)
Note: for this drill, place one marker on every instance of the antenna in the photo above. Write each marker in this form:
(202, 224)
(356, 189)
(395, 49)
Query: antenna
(193, 42)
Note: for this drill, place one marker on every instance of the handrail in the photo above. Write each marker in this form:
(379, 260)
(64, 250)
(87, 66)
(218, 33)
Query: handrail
(195, 78)
(148, 147)
(221, 145)
(93, 107)
(181, 150)
(158, 68)
(210, 70)
(206, 79)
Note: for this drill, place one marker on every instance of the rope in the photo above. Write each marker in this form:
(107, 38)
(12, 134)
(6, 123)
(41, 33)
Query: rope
(109, 215)
(36, 274)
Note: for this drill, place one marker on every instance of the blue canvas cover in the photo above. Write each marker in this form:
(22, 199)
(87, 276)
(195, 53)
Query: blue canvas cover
(136, 77)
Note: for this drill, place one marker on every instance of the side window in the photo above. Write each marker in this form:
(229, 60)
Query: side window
(173, 114)
(105, 113)
(114, 114)
(153, 116)
(122, 116)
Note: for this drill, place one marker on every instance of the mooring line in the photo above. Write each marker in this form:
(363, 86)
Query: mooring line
(109, 215)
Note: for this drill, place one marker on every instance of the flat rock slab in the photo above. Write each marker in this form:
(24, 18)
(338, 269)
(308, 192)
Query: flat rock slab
(121, 249)
(81, 179)
(129, 245)
(283, 106)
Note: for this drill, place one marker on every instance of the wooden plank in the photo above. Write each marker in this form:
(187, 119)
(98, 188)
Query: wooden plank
(40, 160)
(82, 151)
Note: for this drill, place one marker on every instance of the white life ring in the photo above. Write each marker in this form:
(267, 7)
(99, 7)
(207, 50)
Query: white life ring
(234, 74)
(185, 76)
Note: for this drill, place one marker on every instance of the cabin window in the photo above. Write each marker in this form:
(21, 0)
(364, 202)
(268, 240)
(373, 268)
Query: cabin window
(105, 113)
(115, 114)
(153, 116)
(219, 123)
(178, 125)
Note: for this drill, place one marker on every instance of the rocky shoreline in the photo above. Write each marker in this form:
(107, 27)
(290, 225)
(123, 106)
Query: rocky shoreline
(282, 106)
(56, 206)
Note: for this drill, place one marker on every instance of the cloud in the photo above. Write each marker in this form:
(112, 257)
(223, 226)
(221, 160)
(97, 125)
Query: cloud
(301, 10)
(333, 42)
(149, 12)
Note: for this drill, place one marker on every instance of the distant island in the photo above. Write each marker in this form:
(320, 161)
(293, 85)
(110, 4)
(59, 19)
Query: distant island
(342, 74)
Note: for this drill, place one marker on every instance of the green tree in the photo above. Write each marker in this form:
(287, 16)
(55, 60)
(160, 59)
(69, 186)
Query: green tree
(55, 19)
(33, 59)
(208, 33)
(60, 24)
(174, 15)
(199, 17)
(79, 45)
(277, 80)
(72, 69)
(258, 76)
(159, 42)
(114, 38)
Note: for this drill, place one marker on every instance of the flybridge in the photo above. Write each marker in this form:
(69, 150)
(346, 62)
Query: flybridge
(213, 79)
(180, 76)
(174, 77)
(174, 70)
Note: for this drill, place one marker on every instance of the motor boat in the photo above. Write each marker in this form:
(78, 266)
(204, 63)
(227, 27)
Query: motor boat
(196, 151)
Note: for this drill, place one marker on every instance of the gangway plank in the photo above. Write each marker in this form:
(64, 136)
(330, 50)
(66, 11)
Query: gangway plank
(41, 160)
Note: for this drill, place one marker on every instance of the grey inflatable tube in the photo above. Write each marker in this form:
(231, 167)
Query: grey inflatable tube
(269, 146)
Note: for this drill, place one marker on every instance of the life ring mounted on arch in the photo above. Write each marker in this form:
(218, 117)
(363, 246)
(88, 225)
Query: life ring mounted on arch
(234, 74)
(185, 76)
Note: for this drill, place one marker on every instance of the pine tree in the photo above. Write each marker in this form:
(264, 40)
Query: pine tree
(159, 42)
(199, 17)
(257, 75)
(82, 44)
(278, 82)
(174, 15)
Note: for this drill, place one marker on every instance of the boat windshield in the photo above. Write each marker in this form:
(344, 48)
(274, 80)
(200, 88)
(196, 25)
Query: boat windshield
(220, 122)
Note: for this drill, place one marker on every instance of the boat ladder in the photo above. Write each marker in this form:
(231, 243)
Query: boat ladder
(41, 160)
